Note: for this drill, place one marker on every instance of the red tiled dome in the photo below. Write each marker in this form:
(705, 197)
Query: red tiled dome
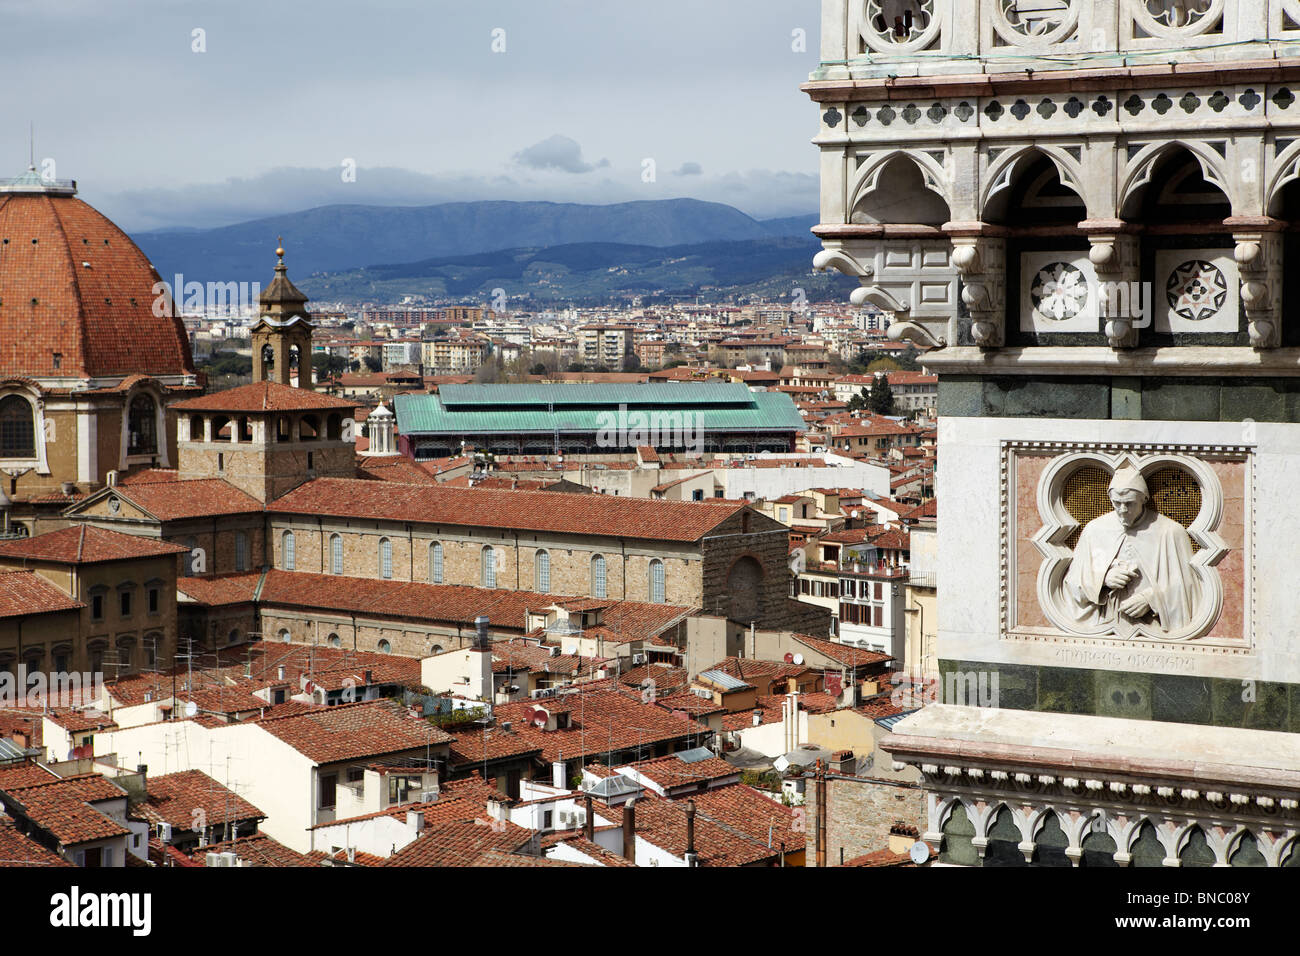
(72, 283)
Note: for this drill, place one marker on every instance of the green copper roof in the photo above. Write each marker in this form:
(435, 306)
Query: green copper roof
(515, 409)
(542, 397)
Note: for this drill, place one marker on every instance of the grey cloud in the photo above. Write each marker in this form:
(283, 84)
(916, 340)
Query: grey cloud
(556, 152)
(689, 169)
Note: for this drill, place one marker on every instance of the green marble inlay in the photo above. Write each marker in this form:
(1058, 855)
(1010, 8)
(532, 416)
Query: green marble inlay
(1189, 398)
(1175, 698)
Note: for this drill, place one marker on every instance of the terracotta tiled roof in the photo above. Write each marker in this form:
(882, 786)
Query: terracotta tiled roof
(26, 592)
(692, 704)
(77, 721)
(474, 746)
(882, 857)
(83, 544)
(255, 850)
(174, 797)
(600, 721)
(24, 775)
(63, 807)
(358, 858)
(460, 844)
(843, 653)
(265, 397)
(752, 813)
(198, 497)
(396, 468)
(353, 731)
(17, 849)
(595, 851)
(666, 677)
(671, 771)
(517, 510)
(147, 476)
(663, 823)
(76, 285)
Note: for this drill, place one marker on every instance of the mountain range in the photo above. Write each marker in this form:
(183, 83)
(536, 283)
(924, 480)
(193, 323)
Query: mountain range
(345, 237)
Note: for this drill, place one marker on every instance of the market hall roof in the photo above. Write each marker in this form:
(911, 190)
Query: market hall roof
(584, 408)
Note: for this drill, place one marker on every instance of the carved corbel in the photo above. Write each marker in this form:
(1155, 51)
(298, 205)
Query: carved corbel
(1123, 302)
(982, 262)
(1259, 261)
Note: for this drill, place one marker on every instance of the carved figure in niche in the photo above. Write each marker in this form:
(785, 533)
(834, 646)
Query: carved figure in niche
(1133, 563)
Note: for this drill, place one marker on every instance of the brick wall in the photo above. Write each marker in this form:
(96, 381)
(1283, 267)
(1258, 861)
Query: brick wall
(404, 638)
(860, 811)
(627, 563)
(747, 576)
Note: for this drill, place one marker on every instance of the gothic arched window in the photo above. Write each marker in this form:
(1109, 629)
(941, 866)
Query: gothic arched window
(17, 428)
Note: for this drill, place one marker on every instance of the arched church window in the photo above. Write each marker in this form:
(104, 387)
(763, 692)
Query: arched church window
(1196, 851)
(1050, 843)
(958, 832)
(17, 428)
(142, 427)
(1004, 841)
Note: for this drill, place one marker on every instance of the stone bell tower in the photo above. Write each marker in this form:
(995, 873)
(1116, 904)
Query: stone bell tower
(282, 334)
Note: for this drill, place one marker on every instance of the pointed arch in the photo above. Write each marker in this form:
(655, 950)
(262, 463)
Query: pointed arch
(1286, 170)
(1141, 168)
(908, 176)
(1009, 167)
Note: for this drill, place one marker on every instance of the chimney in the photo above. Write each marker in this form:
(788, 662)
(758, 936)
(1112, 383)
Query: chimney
(558, 775)
(111, 478)
(691, 856)
(482, 642)
(589, 823)
(758, 716)
(415, 820)
(370, 677)
(143, 770)
(629, 831)
(69, 488)
(279, 672)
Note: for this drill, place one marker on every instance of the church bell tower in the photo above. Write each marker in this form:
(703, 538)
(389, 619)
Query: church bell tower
(282, 335)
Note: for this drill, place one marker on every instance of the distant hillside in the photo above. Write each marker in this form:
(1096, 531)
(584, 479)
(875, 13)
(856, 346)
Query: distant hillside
(343, 238)
(597, 271)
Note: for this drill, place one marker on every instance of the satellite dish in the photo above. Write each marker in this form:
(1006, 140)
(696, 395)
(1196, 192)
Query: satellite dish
(919, 852)
(789, 658)
(798, 659)
(191, 708)
(571, 650)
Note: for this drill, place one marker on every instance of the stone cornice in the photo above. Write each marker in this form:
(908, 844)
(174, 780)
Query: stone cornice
(989, 763)
(1153, 76)
(1187, 360)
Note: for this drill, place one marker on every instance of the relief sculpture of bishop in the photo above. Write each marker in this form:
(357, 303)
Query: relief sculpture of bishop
(1132, 563)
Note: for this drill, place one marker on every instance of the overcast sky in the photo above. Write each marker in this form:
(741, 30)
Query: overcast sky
(411, 91)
